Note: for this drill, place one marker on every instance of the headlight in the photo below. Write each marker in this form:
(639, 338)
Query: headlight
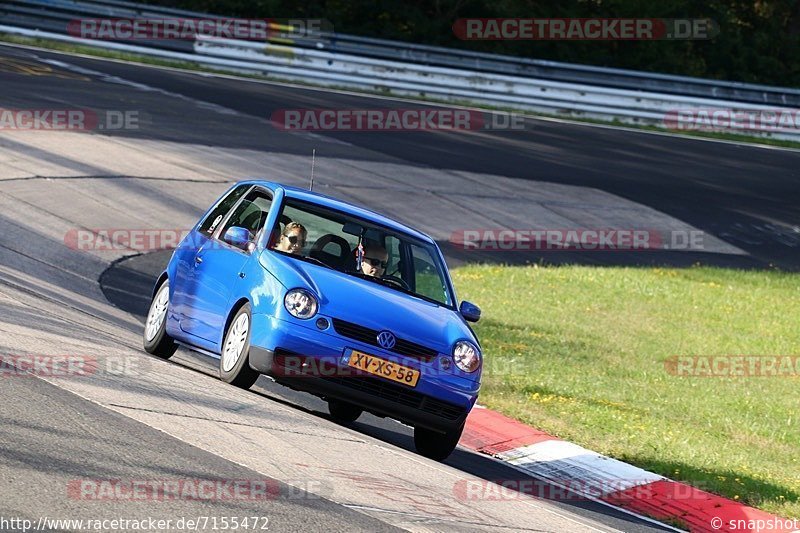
(466, 356)
(300, 303)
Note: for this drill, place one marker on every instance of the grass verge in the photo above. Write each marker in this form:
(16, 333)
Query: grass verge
(582, 352)
(186, 65)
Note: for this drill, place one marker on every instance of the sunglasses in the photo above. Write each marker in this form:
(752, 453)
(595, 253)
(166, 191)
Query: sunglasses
(376, 262)
(294, 239)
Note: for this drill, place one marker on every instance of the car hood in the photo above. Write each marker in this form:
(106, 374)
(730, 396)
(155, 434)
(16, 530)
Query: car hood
(371, 304)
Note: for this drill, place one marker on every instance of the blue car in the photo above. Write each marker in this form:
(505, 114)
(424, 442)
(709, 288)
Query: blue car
(328, 298)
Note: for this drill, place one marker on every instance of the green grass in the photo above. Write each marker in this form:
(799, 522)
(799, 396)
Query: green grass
(580, 352)
(197, 67)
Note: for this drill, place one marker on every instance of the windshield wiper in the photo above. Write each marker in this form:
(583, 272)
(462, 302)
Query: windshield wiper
(364, 276)
(304, 258)
(313, 260)
(412, 293)
(392, 285)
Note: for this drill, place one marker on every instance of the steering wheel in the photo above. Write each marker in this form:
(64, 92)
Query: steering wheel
(333, 260)
(397, 280)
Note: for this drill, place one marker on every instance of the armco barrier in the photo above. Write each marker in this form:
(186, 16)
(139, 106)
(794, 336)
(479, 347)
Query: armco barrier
(422, 71)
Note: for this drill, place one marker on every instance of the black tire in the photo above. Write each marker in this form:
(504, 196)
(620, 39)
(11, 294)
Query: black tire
(239, 374)
(435, 445)
(343, 412)
(159, 344)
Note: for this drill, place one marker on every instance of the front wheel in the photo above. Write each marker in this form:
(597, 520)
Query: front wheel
(434, 445)
(234, 364)
(156, 340)
(343, 412)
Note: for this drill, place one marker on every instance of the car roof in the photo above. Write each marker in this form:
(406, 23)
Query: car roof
(340, 205)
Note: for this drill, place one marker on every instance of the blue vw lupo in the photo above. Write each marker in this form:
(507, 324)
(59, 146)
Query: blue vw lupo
(328, 298)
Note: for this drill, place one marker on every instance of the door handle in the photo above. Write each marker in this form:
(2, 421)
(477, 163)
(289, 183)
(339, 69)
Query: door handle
(198, 260)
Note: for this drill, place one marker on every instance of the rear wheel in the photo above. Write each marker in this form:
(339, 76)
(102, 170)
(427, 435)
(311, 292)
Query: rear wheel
(156, 340)
(435, 445)
(343, 412)
(234, 364)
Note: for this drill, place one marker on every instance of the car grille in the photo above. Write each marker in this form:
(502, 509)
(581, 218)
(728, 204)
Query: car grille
(370, 336)
(401, 395)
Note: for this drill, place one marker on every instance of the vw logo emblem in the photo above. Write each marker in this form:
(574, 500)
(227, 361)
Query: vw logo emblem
(386, 339)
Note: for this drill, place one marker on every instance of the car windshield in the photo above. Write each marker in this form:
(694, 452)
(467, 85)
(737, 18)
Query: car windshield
(331, 238)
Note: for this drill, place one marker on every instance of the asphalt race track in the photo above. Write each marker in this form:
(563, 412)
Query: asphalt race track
(136, 417)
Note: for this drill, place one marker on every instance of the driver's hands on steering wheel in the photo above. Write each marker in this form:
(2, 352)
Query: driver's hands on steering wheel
(397, 280)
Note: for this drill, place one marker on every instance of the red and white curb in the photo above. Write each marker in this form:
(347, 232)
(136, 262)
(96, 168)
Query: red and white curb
(599, 478)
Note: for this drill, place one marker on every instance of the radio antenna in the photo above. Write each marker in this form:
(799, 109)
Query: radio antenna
(313, 160)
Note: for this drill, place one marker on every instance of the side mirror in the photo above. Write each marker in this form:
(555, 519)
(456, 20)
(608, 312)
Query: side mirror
(239, 237)
(470, 311)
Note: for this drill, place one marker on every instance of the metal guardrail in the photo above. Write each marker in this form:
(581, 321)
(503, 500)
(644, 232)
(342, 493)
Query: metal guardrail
(41, 11)
(566, 72)
(408, 69)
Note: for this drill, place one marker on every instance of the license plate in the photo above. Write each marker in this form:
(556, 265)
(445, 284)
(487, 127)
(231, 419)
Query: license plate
(383, 368)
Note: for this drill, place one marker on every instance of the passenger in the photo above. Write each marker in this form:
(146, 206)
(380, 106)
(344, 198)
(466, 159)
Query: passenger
(375, 259)
(293, 238)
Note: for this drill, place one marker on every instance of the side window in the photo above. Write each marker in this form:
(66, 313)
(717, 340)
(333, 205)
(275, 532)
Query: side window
(428, 280)
(251, 214)
(217, 215)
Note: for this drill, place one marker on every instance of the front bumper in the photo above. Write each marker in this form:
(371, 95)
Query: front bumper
(440, 401)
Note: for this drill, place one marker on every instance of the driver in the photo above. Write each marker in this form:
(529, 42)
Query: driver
(375, 259)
